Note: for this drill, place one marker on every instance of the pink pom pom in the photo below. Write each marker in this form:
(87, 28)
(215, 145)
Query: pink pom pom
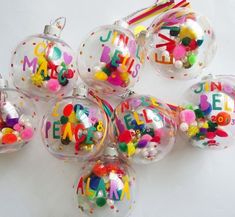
(27, 133)
(53, 85)
(187, 116)
(115, 79)
(179, 52)
(146, 137)
(17, 127)
(159, 132)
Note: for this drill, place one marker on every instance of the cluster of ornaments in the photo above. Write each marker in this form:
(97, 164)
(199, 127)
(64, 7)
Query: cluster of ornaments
(179, 44)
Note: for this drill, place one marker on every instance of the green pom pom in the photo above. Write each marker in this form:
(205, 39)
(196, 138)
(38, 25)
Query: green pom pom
(101, 201)
(186, 41)
(123, 147)
(65, 141)
(190, 107)
(212, 126)
(198, 113)
(64, 120)
(175, 31)
(192, 59)
(106, 71)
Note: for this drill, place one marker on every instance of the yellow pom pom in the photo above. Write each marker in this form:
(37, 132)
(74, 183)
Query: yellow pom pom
(37, 79)
(7, 130)
(193, 130)
(100, 75)
(185, 31)
(205, 125)
(124, 76)
(130, 149)
(73, 118)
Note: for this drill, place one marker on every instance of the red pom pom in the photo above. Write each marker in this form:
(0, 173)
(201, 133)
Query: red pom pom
(125, 137)
(99, 170)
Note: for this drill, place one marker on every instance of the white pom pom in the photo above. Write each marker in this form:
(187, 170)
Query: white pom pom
(183, 126)
(178, 64)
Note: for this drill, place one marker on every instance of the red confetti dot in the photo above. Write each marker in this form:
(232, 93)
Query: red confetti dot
(68, 110)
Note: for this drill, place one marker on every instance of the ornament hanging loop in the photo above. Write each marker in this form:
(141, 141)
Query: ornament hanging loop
(55, 28)
(60, 23)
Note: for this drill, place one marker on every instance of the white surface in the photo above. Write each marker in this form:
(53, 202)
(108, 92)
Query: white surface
(188, 183)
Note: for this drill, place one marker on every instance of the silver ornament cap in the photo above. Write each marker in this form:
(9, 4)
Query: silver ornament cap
(111, 151)
(56, 27)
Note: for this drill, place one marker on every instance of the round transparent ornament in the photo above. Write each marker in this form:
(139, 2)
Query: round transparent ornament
(17, 119)
(208, 120)
(43, 65)
(74, 127)
(110, 59)
(144, 128)
(181, 44)
(106, 187)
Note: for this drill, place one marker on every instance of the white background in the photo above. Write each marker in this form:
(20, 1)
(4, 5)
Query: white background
(187, 183)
